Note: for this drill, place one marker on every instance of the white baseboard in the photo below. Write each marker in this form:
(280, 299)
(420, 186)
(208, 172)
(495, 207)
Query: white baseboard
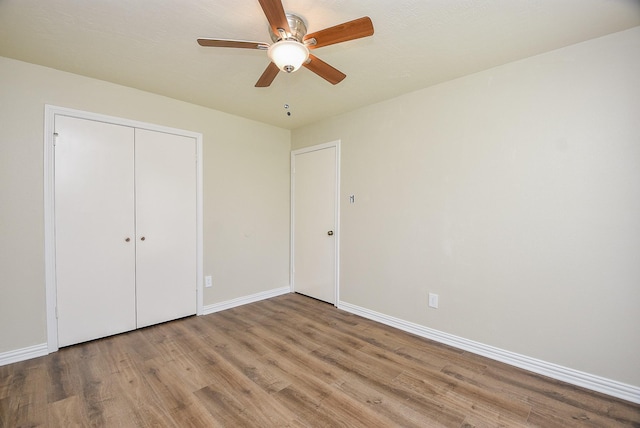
(216, 307)
(565, 374)
(23, 354)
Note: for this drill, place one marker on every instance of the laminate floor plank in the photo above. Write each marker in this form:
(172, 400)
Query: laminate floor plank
(317, 370)
(68, 412)
(287, 338)
(175, 395)
(576, 404)
(396, 410)
(137, 344)
(234, 400)
(288, 358)
(316, 312)
(137, 401)
(315, 388)
(225, 332)
(417, 350)
(5, 383)
(251, 366)
(464, 396)
(468, 400)
(330, 408)
(17, 407)
(288, 361)
(380, 376)
(302, 332)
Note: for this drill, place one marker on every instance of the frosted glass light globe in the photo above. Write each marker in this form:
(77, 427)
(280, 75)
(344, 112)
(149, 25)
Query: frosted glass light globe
(288, 55)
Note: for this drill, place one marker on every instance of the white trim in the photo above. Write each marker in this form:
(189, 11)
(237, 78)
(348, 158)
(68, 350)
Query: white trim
(217, 307)
(49, 230)
(335, 144)
(199, 226)
(50, 112)
(22, 354)
(337, 216)
(565, 374)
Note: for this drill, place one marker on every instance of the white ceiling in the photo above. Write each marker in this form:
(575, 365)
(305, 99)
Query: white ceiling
(151, 45)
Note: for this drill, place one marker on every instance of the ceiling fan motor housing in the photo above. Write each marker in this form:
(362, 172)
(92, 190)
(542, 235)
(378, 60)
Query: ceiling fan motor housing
(298, 29)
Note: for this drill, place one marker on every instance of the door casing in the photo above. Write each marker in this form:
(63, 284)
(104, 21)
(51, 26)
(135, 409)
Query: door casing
(49, 206)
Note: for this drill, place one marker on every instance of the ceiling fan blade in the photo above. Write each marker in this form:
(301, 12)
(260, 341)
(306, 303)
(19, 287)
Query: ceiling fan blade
(274, 11)
(225, 43)
(324, 70)
(267, 77)
(356, 29)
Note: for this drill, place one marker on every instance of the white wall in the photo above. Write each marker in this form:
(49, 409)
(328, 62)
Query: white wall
(246, 190)
(514, 194)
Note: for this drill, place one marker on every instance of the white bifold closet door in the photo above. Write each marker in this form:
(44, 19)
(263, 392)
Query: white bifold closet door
(166, 219)
(125, 224)
(94, 218)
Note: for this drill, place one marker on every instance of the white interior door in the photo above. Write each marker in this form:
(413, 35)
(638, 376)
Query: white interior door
(165, 226)
(94, 229)
(314, 223)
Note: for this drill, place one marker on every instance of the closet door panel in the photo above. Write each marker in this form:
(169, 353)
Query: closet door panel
(94, 216)
(165, 226)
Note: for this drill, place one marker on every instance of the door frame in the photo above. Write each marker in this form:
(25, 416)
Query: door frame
(336, 144)
(50, 112)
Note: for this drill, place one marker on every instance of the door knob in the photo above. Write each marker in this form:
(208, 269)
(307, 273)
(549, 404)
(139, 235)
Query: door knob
(330, 233)
(127, 239)
(142, 239)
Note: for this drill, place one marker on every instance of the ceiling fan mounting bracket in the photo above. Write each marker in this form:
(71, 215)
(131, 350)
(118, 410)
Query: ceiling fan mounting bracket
(298, 29)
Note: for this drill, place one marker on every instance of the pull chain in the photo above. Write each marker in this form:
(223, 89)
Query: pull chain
(288, 95)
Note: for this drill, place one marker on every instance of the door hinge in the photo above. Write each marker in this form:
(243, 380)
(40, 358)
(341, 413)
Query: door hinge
(55, 138)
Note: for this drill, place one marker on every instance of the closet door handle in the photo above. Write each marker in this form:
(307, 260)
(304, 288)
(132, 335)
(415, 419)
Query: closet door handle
(127, 239)
(142, 239)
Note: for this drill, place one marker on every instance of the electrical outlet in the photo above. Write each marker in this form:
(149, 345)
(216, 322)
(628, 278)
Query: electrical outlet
(208, 282)
(433, 300)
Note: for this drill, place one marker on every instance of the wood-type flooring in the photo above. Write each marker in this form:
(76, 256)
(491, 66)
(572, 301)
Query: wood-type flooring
(288, 361)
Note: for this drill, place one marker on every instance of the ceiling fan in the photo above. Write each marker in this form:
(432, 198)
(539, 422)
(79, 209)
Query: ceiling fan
(291, 43)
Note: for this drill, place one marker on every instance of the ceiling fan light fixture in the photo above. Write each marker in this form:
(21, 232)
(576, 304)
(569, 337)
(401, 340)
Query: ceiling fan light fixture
(291, 43)
(288, 55)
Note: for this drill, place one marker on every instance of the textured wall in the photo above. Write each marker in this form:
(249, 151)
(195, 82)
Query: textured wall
(514, 194)
(246, 190)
